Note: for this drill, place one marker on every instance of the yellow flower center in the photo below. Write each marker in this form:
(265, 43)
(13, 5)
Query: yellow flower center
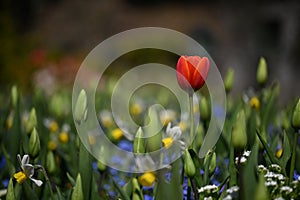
(136, 109)
(20, 177)
(51, 145)
(147, 179)
(254, 103)
(53, 127)
(117, 134)
(279, 153)
(63, 137)
(167, 142)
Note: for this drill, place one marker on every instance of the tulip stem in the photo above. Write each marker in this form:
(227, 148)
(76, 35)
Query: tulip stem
(293, 156)
(192, 124)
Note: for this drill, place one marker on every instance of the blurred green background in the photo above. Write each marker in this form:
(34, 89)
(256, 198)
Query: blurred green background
(43, 42)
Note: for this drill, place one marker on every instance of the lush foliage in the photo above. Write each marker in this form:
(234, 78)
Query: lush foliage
(255, 157)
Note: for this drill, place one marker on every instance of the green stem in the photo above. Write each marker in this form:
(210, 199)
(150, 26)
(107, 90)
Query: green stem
(192, 118)
(293, 156)
(47, 180)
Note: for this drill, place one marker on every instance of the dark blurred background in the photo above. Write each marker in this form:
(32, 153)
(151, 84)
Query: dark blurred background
(44, 41)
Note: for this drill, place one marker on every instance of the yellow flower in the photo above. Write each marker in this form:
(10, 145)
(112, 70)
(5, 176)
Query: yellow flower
(147, 179)
(63, 137)
(136, 109)
(92, 139)
(20, 177)
(254, 103)
(53, 126)
(106, 119)
(279, 153)
(117, 134)
(52, 145)
(167, 142)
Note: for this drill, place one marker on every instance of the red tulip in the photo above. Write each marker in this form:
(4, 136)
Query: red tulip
(192, 72)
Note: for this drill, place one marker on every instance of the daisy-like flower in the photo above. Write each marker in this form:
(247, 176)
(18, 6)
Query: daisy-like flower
(173, 134)
(27, 171)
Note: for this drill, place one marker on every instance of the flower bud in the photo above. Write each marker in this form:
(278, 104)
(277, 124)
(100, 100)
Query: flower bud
(80, 110)
(189, 166)
(229, 79)
(296, 116)
(31, 122)
(100, 166)
(262, 71)
(239, 134)
(50, 162)
(34, 144)
(14, 96)
(213, 161)
(204, 109)
(77, 190)
(139, 143)
(192, 72)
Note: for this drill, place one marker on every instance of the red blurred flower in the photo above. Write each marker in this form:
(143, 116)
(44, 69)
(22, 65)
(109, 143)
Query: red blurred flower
(192, 72)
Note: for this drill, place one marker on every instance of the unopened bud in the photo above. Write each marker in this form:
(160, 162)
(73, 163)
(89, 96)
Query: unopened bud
(80, 111)
(189, 166)
(31, 122)
(296, 116)
(239, 134)
(34, 143)
(229, 79)
(14, 96)
(50, 162)
(262, 71)
(77, 190)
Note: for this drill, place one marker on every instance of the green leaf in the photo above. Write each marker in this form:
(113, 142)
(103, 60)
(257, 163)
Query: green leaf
(249, 173)
(197, 177)
(59, 195)
(71, 179)
(85, 170)
(286, 151)
(122, 193)
(232, 168)
(10, 195)
(270, 154)
(172, 189)
(128, 187)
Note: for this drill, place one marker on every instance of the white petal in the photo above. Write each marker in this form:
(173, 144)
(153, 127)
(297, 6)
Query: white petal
(25, 159)
(176, 132)
(37, 182)
(28, 169)
(168, 128)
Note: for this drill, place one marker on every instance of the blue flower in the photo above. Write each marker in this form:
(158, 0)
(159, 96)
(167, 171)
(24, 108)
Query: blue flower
(2, 162)
(126, 145)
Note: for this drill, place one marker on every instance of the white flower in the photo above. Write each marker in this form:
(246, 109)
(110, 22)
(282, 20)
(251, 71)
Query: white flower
(27, 171)
(173, 134)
